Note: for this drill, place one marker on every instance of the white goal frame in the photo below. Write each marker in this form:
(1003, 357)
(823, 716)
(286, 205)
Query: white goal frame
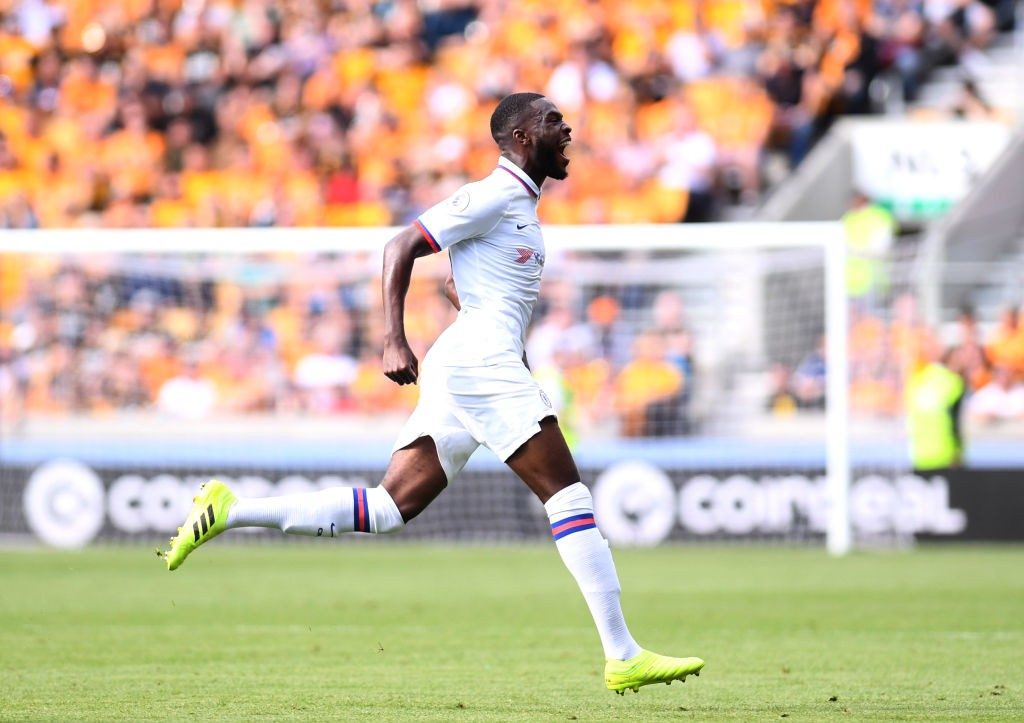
(827, 236)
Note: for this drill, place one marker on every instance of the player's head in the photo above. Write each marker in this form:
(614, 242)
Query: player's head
(530, 125)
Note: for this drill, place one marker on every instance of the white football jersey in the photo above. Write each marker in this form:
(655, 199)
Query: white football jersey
(497, 253)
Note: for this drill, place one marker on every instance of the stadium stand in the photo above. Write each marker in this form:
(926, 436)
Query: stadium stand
(229, 113)
(136, 113)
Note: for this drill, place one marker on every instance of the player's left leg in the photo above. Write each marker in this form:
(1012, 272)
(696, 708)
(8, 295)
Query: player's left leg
(430, 451)
(546, 465)
(414, 478)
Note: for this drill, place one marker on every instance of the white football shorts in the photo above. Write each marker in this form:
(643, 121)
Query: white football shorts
(499, 406)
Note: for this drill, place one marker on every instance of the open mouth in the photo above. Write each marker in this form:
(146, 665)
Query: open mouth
(561, 150)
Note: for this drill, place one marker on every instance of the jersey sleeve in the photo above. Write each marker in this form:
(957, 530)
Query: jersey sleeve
(468, 213)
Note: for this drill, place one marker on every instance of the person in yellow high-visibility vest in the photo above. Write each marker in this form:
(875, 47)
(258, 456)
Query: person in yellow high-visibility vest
(934, 393)
(870, 229)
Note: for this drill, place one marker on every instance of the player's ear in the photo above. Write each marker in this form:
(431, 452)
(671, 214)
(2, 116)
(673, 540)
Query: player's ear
(520, 137)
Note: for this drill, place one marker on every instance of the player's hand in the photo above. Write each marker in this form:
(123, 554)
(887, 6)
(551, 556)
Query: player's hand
(400, 364)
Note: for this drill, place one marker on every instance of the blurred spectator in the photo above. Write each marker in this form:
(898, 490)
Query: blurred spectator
(1005, 13)
(614, 338)
(874, 374)
(648, 389)
(1001, 400)
(1007, 344)
(557, 324)
(961, 29)
(968, 357)
(669, 320)
(781, 401)
(187, 396)
(901, 31)
(668, 317)
(907, 332)
(690, 156)
(325, 373)
(809, 379)
(933, 397)
(587, 375)
(870, 230)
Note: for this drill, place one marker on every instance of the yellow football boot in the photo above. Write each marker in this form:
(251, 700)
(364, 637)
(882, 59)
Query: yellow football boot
(647, 668)
(207, 519)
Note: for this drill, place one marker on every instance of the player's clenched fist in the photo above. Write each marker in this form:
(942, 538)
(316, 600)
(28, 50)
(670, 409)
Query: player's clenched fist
(400, 364)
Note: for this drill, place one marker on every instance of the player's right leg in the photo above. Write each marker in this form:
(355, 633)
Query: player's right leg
(545, 464)
(414, 478)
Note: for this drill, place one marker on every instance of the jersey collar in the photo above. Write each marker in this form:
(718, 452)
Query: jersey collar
(520, 175)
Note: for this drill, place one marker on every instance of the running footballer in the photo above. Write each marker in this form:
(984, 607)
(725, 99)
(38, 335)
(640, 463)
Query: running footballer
(475, 389)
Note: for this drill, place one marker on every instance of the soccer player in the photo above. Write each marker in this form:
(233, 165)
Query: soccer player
(475, 389)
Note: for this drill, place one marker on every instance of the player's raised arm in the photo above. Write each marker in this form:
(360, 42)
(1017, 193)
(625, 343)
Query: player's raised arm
(400, 364)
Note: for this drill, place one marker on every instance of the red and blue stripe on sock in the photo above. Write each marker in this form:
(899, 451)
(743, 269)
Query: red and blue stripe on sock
(576, 523)
(360, 510)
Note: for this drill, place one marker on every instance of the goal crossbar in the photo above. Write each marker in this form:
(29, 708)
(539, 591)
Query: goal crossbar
(638, 237)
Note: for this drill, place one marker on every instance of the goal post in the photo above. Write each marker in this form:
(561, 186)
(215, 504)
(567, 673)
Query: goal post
(839, 539)
(768, 289)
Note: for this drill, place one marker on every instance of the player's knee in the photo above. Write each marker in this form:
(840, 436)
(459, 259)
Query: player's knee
(383, 511)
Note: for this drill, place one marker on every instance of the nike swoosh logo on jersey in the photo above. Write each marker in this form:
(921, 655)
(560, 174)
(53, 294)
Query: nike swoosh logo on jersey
(520, 228)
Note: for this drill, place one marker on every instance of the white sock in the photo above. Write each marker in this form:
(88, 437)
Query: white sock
(585, 552)
(326, 513)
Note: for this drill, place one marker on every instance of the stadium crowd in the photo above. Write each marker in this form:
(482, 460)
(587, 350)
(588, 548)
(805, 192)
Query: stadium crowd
(303, 336)
(135, 113)
(123, 113)
(886, 348)
(288, 336)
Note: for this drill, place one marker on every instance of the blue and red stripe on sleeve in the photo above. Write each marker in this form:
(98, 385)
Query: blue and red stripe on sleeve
(428, 236)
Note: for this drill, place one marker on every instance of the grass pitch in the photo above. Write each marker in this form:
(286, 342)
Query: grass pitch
(403, 632)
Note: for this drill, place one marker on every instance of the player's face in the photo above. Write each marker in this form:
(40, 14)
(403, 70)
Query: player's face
(551, 136)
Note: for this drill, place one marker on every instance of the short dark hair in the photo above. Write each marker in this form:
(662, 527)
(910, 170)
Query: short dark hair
(508, 113)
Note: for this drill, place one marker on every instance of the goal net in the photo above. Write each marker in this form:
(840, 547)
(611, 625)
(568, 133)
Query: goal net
(689, 366)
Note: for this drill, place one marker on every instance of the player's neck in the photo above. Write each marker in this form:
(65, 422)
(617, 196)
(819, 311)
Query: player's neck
(524, 164)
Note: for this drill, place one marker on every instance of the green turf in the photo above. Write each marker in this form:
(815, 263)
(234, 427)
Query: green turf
(340, 631)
